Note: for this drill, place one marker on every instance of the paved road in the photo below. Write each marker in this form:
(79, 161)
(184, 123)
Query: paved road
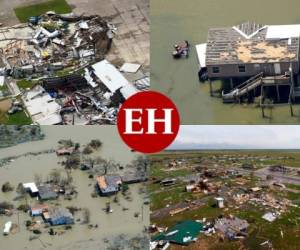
(7, 14)
(132, 19)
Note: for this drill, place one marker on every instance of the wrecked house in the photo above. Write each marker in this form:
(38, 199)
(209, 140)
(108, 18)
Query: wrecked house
(232, 227)
(253, 57)
(53, 43)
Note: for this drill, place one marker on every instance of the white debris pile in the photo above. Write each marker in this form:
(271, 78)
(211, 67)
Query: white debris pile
(43, 109)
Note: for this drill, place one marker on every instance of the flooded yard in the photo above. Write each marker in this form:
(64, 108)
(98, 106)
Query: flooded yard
(103, 228)
(173, 21)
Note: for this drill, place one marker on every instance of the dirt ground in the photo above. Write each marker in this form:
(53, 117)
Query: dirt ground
(5, 105)
(131, 18)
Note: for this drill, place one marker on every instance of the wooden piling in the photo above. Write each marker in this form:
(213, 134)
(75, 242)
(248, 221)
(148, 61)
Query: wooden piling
(291, 109)
(278, 94)
(231, 83)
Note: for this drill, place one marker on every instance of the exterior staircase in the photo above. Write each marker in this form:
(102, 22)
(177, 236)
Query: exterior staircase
(254, 82)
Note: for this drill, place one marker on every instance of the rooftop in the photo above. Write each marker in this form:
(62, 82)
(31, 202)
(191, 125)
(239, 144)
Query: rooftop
(46, 192)
(56, 213)
(252, 43)
(31, 186)
(105, 181)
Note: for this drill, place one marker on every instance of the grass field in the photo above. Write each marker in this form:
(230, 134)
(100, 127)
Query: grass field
(18, 118)
(24, 84)
(59, 6)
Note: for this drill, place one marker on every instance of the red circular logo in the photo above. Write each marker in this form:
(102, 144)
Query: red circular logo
(148, 122)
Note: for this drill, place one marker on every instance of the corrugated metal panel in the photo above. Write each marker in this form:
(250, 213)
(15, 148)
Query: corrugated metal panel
(109, 75)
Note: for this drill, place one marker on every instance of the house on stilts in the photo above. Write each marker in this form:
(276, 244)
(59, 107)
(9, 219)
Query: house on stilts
(254, 60)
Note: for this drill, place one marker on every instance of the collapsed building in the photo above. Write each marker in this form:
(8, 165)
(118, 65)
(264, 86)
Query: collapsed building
(63, 56)
(54, 42)
(232, 227)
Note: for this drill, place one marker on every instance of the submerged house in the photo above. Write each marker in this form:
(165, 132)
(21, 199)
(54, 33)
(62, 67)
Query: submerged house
(108, 184)
(58, 216)
(257, 54)
(47, 192)
(38, 210)
(31, 188)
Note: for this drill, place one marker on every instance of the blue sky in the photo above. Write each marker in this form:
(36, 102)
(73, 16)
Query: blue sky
(237, 137)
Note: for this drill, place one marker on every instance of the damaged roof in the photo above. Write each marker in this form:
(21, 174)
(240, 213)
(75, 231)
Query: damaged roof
(251, 43)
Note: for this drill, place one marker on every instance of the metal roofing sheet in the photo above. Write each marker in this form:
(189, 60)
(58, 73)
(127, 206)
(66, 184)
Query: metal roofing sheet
(201, 52)
(283, 31)
(109, 75)
(182, 233)
(128, 91)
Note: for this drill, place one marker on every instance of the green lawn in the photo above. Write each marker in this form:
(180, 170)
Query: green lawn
(59, 6)
(18, 118)
(24, 84)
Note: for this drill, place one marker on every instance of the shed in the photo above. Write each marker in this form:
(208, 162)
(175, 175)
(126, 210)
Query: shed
(38, 209)
(31, 188)
(130, 178)
(231, 226)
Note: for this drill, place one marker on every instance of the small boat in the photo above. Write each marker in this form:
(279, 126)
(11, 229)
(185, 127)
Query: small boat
(181, 50)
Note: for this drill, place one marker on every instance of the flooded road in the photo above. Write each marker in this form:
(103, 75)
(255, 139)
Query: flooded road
(80, 236)
(175, 20)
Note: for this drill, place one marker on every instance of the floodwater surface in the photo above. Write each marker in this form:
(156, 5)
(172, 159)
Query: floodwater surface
(177, 20)
(80, 236)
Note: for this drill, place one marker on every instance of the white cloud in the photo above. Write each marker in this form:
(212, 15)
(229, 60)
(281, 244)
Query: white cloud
(238, 136)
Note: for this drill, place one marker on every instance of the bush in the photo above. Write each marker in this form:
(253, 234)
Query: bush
(87, 150)
(6, 205)
(73, 161)
(7, 187)
(23, 207)
(95, 143)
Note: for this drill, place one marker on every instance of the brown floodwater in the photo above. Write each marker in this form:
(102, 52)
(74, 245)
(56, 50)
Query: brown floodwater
(80, 236)
(177, 20)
